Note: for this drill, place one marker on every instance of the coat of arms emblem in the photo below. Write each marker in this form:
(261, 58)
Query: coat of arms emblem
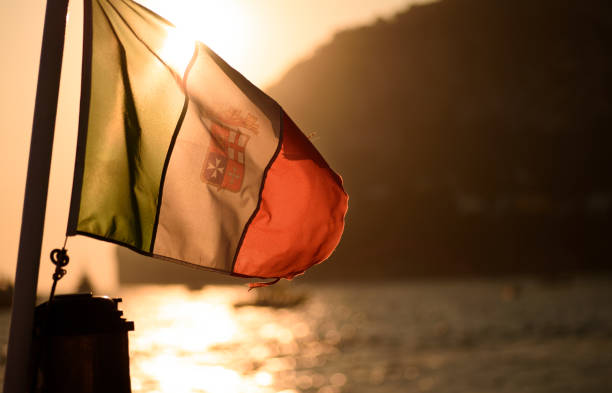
(224, 163)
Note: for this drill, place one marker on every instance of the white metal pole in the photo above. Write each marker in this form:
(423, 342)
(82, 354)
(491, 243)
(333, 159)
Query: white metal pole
(17, 376)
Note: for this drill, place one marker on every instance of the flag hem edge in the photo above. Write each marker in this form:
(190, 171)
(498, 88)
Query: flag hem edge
(84, 107)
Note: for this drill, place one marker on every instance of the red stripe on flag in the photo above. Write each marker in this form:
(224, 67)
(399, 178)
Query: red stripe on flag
(301, 216)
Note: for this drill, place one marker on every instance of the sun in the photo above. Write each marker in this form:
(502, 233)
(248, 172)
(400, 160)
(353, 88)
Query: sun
(221, 25)
(177, 50)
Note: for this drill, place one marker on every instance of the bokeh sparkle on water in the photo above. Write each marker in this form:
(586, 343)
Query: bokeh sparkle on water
(197, 341)
(460, 336)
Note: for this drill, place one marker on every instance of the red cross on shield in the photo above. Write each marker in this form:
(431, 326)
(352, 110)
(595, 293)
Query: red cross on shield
(224, 163)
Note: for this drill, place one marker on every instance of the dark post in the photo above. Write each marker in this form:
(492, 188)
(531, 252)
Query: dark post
(16, 378)
(81, 345)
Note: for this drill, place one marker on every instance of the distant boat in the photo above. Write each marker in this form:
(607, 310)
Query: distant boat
(276, 296)
(6, 294)
(85, 285)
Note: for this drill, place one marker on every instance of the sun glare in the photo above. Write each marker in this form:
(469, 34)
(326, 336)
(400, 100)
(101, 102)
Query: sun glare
(177, 50)
(220, 25)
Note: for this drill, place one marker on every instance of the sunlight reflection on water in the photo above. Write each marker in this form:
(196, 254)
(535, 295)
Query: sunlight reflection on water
(455, 337)
(196, 341)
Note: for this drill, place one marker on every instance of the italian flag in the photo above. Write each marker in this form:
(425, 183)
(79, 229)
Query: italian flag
(192, 163)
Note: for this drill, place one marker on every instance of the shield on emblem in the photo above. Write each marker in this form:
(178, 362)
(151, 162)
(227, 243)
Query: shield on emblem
(224, 163)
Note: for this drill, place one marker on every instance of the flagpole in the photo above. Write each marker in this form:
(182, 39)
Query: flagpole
(17, 376)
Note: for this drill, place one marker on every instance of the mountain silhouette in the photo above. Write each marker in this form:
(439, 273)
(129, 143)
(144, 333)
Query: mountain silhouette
(473, 136)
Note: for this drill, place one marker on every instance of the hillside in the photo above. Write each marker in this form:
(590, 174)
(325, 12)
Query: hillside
(473, 136)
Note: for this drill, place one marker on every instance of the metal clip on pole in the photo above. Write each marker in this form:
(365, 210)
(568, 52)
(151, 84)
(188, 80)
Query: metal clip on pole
(60, 259)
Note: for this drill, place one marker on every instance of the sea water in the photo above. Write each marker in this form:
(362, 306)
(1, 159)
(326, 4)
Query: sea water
(464, 336)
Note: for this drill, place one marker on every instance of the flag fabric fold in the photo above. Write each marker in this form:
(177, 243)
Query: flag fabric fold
(180, 157)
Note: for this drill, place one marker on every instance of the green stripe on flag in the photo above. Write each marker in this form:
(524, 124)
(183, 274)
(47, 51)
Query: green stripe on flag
(130, 126)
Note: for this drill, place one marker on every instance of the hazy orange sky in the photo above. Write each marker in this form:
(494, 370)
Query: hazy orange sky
(260, 38)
